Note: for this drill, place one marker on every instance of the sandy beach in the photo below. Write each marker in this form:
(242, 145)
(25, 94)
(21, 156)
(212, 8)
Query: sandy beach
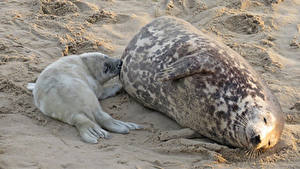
(35, 33)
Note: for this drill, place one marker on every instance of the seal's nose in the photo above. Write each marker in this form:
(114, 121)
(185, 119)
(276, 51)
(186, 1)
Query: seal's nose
(255, 140)
(120, 63)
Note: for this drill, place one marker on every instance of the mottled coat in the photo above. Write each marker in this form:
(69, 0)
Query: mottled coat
(172, 67)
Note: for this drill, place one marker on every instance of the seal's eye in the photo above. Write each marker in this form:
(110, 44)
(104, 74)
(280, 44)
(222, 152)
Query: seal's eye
(107, 67)
(265, 120)
(269, 143)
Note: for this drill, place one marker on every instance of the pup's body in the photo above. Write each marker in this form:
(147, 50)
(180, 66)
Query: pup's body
(68, 90)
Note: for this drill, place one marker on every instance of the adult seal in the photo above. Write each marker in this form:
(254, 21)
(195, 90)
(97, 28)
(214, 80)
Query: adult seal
(172, 67)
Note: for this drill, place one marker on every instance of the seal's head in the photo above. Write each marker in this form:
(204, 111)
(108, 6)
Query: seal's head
(263, 126)
(264, 129)
(101, 66)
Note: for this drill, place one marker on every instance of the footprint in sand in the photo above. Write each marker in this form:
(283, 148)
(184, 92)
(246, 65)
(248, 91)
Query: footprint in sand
(244, 24)
(107, 17)
(180, 7)
(85, 6)
(56, 7)
(259, 57)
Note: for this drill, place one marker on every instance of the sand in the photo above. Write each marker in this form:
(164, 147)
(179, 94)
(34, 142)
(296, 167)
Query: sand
(34, 33)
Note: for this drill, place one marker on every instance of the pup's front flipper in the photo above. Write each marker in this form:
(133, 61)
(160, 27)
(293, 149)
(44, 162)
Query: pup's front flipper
(109, 91)
(88, 130)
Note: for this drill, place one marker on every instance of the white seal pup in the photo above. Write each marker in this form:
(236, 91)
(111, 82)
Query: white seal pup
(68, 90)
(172, 67)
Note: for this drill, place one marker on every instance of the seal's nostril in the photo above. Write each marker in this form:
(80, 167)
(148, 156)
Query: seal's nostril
(120, 64)
(255, 140)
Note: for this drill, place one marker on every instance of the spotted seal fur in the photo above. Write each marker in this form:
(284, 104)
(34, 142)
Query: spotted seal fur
(174, 68)
(68, 90)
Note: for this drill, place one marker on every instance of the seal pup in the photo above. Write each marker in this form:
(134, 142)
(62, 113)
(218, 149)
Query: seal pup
(68, 90)
(172, 67)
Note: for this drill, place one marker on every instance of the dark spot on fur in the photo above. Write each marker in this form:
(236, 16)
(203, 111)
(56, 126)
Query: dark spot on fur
(221, 114)
(211, 109)
(213, 132)
(229, 123)
(235, 107)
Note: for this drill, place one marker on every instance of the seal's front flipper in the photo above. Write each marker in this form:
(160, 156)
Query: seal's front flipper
(175, 134)
(187, 66)
(109, 91)
(118, 126)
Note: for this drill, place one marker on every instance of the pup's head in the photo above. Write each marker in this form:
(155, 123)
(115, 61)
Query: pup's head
(102, 67)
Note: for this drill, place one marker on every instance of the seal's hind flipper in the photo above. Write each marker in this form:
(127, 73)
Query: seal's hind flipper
(186, 66)
(30, 86)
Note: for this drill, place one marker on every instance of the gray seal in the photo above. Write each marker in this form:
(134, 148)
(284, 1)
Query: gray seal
(68, 90)
(174, 68)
